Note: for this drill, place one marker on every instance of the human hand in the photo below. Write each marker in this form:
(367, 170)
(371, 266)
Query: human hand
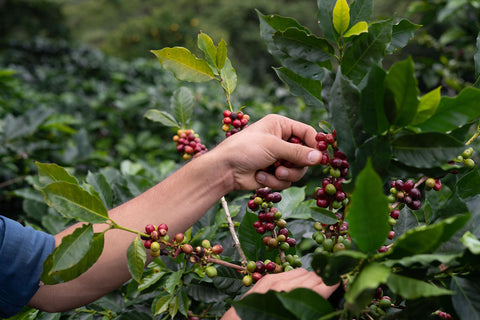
(287, 281)
(261, 145)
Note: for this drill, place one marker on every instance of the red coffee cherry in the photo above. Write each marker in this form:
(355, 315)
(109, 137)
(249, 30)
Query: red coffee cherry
(149, 228)
(256, 276)
(187, 248)
(217, 249)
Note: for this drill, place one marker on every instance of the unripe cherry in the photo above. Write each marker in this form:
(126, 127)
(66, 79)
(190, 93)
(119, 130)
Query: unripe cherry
(251, 266)
(154, 246)
(247, 280)
(179, 237)
(211, 272)
(206, 243)
(187, 248)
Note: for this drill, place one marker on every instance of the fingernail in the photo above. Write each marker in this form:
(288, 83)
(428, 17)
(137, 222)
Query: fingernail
(261, 177)
(314, 156)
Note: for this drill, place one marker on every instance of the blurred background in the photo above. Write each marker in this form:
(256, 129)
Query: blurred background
(76, 78)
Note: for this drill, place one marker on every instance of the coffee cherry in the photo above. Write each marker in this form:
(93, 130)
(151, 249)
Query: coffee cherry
(383, 249)
(284, 246)
(408, 185)
(211, 272)
(269, 226)
(256, 276)
(328, 244)
(260, 267)
(147, 243)
(291, 242)
(395, 214)
(430, 183)
(149, 228)
(154, 235)
(391, 235)
(251, 266)
(162, 232)
(179, 237)
(187, 248)
(385, 303)
(281, 238)
(338, 247)
(260, 230)
(217, 249)
(206, 243)
(438, 185)
(271, 266)
(392, 221)
(469, 163)
(154, 253)
(281, 223)
(283, 231)
(154, 246)
(247, 280)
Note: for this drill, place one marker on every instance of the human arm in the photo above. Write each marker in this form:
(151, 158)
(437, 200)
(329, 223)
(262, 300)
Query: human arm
(287, 281)
(181, 199)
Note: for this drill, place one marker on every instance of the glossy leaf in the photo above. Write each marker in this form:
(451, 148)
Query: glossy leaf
(291, 198)
(205, 43)
(228, 280)
(401, 82)
(410, 288)
(303, 53)
(161, 303)
(366, 50)
(372, 110)
(229, 77)
(173, 281)
(75, 255)
(163, 117)
(74, 202)
(426, 150)
(368, 210)
(150, 278)
(364, 286)
(137, 257)
(250, 240)
(305, 304)
(423, 260)
(471, 242)
(182, 103)
(336, 264)
(402, 33)
(221, 54)
(343, 105)
(453, 113)
(427, 238)
(427, 106)
(51, 172)
(360, 10)
(309, 90)
(325, 19)
(262, 307)
(466, 299)
(355, 30)
(323, 215)
(184, 65)
(341, 16)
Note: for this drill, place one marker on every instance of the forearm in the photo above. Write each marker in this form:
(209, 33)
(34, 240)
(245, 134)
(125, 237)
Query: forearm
(178, 201)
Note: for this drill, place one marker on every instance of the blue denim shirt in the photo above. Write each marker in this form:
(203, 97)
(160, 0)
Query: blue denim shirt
(22, 252)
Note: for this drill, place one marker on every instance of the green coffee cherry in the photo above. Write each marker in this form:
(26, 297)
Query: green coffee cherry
(211, 272)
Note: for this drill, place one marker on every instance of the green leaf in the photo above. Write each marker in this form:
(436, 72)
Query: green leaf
(173, 281)
(262, 307)
(74, 202)
(364, 286)
(173, 306)
(426, 150)
(368, 210)
(205, 43)
(402, 33)
(305, 304)
(336, 264)
(466, 299)
(371, 110)
(323, 215)
(471, 242)
(303, 53)
(182, 103)
(410, 288)
(184, 303)
(427, 106)
(51, 172)
(427, 238)
(341, 16)
(422, 260)
(184, 65)
(137, 257)
(453, 113)
(343, 105)
(325, 19)
(476, 58)
(291, 198)
(366, 50)
(163, 117)
(221, 54)
(229, 77)
(309, 90)
(75, 255)
(402, 84)
(360, 10)
(358, 28)
(150, 279)
(161, 303)
(250, 240)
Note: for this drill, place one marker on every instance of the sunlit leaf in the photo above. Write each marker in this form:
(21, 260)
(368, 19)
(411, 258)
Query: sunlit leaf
(359, 28)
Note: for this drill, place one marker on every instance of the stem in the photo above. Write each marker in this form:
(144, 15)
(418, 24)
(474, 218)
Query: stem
(231, 226)
(115, 225)
(475, 136)
(226, 264)
(11, 181)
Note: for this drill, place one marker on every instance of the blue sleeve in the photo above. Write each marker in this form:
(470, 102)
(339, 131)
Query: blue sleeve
(22, 252)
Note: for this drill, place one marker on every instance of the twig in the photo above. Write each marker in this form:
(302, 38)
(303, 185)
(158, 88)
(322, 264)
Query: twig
(231, 226)
(11, 181)
(475, 136)
(226, 264)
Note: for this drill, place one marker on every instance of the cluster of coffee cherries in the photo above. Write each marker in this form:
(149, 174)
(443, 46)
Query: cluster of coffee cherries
(335, 163)
(234, 122)
(406, 193)
(443, 315)
(255, 270)
(331, 194)
(189, 143)
(156, 236)
(466, 158)
(380, 304)
(331, 238)
(270, 219)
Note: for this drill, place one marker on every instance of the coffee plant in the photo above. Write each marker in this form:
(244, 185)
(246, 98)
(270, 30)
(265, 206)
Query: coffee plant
(394, 217)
